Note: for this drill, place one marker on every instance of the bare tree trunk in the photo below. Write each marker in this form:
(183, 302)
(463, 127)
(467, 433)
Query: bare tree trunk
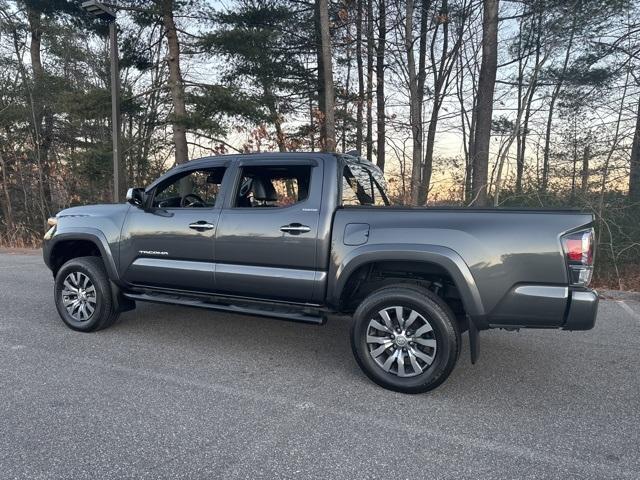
(370, 43)
(277, 123)
(515, 132)
(470, 150)
(42, 119)
(35, 18)
(634, 171)
(416, 90)
(312, 137)
(552, 103)
(280, 139)
(524, 131)
(484, 101)
(360, 66)
(468, 173)
(605, 169)
(425, 174)
(176, 84)
(519, 136)
(520, 161)
(471, 155)
(36, 108)
(7, 210)
(329, 141)
(275, 119)
(441, 82)
(502, 157)
(586, 156)
(415, 105)
(382, 38)
(574, 166)
(464, 124)
(347, 87)
(320, 85)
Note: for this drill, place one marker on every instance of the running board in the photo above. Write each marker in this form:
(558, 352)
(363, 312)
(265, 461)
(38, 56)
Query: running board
(248, 308)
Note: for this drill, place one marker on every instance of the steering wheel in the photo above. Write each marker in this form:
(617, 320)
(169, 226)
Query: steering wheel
(191, 200)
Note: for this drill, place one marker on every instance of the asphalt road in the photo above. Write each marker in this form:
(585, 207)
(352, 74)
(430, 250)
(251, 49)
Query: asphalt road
(171, 392)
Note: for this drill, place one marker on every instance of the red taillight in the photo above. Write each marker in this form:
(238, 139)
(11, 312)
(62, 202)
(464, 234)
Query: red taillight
(590, 240)
(573, 247)
(578, 248)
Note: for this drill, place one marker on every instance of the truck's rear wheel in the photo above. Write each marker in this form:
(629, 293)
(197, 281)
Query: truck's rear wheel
(405, 338)
(83, 295)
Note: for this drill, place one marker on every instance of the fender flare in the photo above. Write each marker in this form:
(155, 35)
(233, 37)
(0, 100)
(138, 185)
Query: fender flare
(92, 235)
(444, 257)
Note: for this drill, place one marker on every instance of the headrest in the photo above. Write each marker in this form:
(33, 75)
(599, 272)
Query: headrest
(263, 190)
(215, 176)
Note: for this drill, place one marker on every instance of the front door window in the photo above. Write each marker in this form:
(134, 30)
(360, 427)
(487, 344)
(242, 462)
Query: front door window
(193, 189)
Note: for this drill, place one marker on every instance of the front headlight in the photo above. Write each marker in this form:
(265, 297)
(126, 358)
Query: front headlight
(52, 222)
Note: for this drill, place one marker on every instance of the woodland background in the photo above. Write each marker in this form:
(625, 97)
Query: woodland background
(532, 103)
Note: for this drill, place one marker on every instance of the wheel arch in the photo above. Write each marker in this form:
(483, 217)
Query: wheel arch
(67, 245)
(442, 257)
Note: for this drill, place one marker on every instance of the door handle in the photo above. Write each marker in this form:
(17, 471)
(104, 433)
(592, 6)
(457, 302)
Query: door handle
(201, 225)
(295, 229)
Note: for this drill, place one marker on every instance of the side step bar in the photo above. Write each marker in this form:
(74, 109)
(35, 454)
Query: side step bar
(246, 308)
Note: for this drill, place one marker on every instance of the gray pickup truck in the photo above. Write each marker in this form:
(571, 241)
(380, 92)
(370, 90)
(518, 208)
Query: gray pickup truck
(298, 236)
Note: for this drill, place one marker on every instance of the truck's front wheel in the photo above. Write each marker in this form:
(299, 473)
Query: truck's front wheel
(405, 338)
(83, 295)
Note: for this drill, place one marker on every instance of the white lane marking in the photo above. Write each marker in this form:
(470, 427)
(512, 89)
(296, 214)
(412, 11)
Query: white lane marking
(629, 310)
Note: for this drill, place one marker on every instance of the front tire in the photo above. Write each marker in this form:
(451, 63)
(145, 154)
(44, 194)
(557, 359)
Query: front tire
(405, 338)
(83, 295)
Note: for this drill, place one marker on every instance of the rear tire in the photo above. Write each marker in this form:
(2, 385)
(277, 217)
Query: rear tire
(405, 338)
(83, 295)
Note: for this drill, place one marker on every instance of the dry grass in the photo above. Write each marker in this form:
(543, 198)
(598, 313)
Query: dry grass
(629, 278)
(20, 236)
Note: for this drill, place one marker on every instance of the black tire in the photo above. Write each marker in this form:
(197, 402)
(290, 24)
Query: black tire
(445, 331)
(104, 313)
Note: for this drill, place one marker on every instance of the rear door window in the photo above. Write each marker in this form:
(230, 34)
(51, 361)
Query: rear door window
(272, 186)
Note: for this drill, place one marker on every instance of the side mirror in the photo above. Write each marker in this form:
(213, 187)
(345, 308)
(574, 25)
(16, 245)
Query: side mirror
(135, 196)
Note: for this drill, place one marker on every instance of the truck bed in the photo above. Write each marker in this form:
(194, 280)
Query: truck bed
(514, 256)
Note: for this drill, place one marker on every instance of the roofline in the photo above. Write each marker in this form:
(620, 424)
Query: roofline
(264, 155)
(233, 156)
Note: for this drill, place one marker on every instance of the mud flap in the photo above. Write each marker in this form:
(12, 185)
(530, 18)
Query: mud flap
(474, 340)
(120, 302)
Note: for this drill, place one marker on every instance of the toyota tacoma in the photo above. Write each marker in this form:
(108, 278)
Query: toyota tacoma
(300, 236)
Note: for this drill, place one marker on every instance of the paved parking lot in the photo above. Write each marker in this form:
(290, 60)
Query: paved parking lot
(172, 392)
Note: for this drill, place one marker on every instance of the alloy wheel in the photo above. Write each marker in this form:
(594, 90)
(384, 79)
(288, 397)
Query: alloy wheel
(401, 341)
(79, 296)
